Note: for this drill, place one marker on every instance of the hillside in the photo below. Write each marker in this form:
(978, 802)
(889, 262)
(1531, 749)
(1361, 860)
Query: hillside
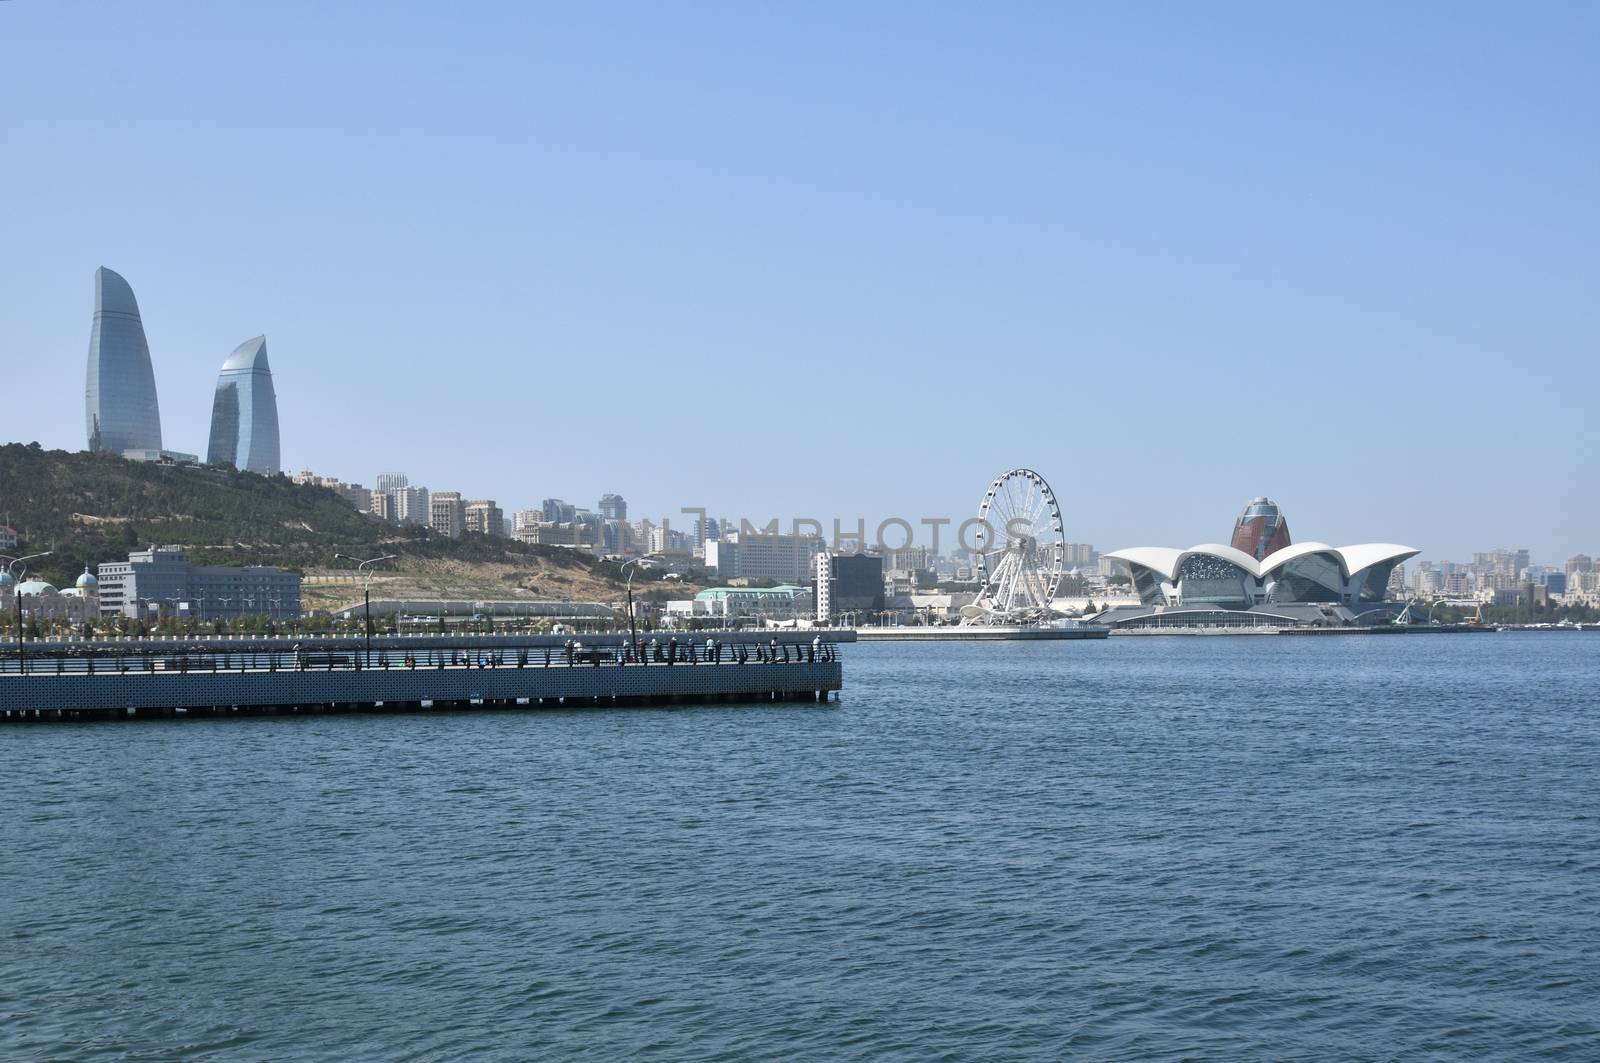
(91, 508)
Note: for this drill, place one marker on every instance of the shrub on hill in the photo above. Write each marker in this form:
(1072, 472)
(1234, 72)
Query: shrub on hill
(91, 508)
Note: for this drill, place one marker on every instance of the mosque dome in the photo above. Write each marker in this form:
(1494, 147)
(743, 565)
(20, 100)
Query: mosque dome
(87, 580)
(35, 586)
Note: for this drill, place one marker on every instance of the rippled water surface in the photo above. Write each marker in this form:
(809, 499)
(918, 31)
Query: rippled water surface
(1227, 848)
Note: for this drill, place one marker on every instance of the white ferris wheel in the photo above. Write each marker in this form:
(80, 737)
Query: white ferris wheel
(1021, 547)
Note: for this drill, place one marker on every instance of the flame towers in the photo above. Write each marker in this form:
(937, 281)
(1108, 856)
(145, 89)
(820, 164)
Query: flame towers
(244, 412)
(120, 408)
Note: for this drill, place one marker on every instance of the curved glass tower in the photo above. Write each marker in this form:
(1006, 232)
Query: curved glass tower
(244, 413)
(120, 408)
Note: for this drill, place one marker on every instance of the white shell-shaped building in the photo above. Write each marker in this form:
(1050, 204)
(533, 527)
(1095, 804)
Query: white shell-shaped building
(1279, 584)
(1221, 577)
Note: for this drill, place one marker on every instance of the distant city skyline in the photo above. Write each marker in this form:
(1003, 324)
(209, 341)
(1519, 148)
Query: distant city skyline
(1173, 260)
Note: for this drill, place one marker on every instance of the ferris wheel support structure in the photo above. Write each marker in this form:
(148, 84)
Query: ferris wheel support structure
(1021, 548)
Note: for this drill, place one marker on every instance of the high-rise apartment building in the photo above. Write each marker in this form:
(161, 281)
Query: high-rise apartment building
(484, 517)
(573, 533)
(121, 412)
(667, 540)
(1500, 562)
(613, 507)
(244, 412)
(1397, 582)
(758, 555)
(391, 487)
(558, 512)
(358, 496)
(705, 529)
(908, 559)
(823, 595)
(1081, 555)
(447, 515)
(1429, 580)
(593, 525)
(412, 506)
(617, 536)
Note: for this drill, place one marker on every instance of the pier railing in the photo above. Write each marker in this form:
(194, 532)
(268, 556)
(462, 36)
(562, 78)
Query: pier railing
(104, 684)
(201, 659)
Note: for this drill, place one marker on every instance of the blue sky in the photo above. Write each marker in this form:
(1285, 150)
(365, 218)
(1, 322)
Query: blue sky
(844, 260)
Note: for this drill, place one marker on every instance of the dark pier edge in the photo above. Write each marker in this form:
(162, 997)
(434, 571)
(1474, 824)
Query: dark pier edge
(108, 682)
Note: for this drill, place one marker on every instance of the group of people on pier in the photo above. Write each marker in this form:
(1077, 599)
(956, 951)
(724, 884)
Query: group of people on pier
(675, 651)
(201, 659)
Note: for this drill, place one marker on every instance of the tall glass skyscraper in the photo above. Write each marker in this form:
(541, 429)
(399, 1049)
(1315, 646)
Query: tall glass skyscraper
(120, 408)
(244, 412)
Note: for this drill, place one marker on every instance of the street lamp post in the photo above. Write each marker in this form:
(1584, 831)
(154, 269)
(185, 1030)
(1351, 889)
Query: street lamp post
(366, 586)
(16, 592)
(633, 630)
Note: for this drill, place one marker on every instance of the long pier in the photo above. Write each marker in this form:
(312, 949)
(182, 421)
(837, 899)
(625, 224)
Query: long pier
(976, 633)
(102, 682)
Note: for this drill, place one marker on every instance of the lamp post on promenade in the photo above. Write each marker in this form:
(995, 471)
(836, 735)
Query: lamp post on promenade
(633, 630)
(16, 591)
(366, 585)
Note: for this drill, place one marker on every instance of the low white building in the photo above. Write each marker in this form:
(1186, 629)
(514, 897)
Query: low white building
(787, 602)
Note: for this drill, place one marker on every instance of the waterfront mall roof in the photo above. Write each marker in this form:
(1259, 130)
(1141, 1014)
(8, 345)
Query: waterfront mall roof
(1215, 585)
